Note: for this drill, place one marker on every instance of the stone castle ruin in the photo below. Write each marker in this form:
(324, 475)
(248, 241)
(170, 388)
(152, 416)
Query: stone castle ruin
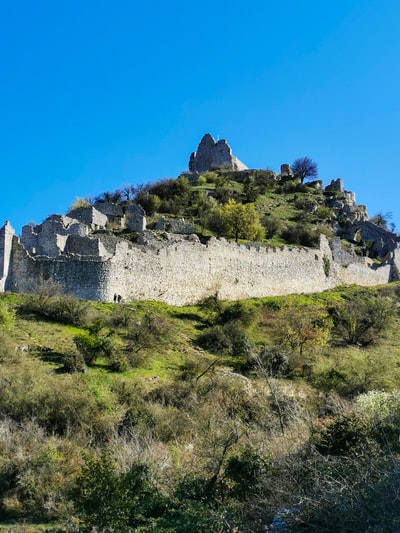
(80, 253)
(212, 155)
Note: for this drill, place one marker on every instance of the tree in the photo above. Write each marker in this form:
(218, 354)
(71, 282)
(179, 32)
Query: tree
(240, 221)
(362, 319)
(381, 219)
(109, 499)
(304, 167)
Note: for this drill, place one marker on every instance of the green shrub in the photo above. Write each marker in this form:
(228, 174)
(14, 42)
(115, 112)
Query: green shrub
(362, 319)
(243, 471)
(89, 346)
(74, 362)
(7, 316)
(64, 309)
(230, 339)
(109, 499)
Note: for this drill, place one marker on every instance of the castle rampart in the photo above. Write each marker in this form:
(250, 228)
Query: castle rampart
(82, 254)
(179, 269)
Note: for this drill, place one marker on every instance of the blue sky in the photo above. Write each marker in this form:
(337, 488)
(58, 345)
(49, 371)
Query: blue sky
(96, 95)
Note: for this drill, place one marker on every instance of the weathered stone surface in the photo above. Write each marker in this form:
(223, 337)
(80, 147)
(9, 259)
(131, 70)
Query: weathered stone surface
(181, 226)
(211, 155)
(286, 170)
(179, 269)
(89, 216)
(49, 238)
(384, 242)
(7, 236)
(335, 185)
(136, 217)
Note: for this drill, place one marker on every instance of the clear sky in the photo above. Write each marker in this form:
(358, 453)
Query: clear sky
(98, 94)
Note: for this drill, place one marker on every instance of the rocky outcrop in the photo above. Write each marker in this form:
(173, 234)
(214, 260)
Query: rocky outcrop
(211, 155)
(343, 202)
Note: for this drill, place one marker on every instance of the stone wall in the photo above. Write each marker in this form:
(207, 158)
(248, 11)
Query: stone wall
(6, 244)
(86, 278)
(211, 155)
(181, 270)
(89, 216)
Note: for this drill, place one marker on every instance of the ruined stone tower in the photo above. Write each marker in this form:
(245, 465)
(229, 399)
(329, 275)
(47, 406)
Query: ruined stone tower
(211, 155)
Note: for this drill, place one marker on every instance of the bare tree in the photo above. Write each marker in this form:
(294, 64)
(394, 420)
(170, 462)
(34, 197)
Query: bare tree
(304, 167)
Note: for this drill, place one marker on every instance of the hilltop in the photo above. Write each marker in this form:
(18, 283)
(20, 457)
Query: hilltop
(229, 230)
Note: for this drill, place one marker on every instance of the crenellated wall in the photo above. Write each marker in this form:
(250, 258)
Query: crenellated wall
(178, 269)
(181, 271)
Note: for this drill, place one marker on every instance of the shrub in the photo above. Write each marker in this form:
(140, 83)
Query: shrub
(89, 346)
(273, 225)
(301, 234)
(230, 339)
(362, 319)
(243, 470)
(239, 312)
(7, 316)
(74, 362)
(110, 499)
(274, 361)
(64, 309)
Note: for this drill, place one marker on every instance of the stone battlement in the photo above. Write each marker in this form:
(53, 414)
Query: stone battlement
(81, 253)
(176, 269)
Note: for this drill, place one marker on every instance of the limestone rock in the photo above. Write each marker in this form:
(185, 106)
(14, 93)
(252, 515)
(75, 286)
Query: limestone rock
(211, 155)
(335, 185)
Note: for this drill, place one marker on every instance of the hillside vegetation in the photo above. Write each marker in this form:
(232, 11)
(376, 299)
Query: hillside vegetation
(239, 205)
(218, 417)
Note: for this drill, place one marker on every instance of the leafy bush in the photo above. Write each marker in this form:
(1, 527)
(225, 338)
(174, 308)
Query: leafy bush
(230, 339)
(273, 225)
(243, 471)
(110, 499)
(7, 316)
(64, 309)
(362, 319)
(302, 235)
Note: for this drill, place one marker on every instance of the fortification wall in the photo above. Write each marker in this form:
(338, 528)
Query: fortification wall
(87, 278)
(181, 271)
(185, 271)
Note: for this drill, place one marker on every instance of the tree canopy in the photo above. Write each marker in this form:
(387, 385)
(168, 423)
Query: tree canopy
(304, 167)
(240, 221)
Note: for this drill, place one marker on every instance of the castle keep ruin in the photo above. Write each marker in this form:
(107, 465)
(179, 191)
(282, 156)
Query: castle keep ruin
(85, 258)
(211, 155)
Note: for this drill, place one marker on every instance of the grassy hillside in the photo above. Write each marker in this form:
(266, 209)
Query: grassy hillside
(267, 207)
(145, 417)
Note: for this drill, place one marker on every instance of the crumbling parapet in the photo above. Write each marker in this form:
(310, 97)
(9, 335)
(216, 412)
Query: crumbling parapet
(212, 155)
(286, 170)
(50, 237)
(89, 216)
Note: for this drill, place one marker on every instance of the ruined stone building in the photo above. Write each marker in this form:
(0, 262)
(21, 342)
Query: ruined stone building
(212, 155)
(80, 253)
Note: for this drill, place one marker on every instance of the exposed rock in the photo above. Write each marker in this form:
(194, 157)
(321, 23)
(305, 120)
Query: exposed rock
(181, 226)
(335, 185)
(383, 242)
(211, 155)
